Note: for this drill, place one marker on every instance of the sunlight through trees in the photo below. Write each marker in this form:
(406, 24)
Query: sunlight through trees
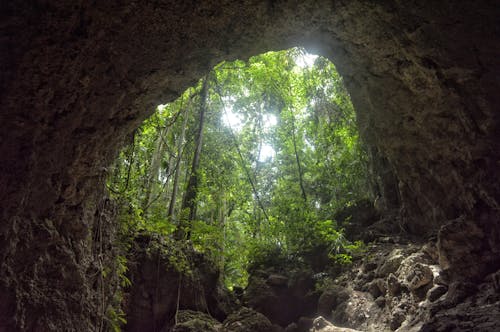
(258, 155)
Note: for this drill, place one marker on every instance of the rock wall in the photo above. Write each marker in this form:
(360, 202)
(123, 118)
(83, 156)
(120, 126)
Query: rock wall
(79, 77)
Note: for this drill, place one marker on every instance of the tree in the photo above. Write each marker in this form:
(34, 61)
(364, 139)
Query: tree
(269, 149)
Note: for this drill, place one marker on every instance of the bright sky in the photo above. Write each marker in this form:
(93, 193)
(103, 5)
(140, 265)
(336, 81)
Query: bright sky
(305, 60)
(235, 121)
(266, 152)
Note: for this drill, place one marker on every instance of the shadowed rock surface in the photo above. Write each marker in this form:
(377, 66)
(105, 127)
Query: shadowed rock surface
(79, 77)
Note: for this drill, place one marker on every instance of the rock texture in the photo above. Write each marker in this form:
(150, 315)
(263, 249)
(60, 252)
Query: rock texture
(78, 77)
(281, 300)
(166, 279)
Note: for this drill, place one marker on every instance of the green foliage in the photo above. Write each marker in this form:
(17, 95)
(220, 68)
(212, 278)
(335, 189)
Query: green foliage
(115, 318)
(280, 155)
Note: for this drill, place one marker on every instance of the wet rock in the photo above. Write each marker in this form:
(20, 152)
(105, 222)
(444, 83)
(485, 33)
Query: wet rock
(494, 278)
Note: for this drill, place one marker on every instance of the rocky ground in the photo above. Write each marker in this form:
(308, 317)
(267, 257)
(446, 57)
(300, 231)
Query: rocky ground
(393, 285)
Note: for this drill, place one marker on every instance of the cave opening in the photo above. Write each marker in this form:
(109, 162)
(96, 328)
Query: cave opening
(273, 147)
(78, 79)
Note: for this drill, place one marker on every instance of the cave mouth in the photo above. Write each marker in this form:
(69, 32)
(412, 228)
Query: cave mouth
(79, 79)
(259, 157)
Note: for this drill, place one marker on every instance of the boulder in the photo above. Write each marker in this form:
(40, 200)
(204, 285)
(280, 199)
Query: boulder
(420, 276)
(330, 299)
(194, 321)
(391, 264)
(322, 325)
(436, 292)
(247, 320)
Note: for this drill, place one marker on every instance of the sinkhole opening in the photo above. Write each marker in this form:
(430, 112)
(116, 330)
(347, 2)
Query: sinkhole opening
(252, 162)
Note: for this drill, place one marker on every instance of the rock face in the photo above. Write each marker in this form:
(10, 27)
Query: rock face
(195, 321)
(79, 77)
(166, 279)
(281, 300)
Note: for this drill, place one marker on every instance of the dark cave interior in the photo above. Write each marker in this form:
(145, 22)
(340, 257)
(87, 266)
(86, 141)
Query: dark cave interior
(78, 78)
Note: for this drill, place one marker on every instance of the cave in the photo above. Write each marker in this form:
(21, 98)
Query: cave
(79, 77)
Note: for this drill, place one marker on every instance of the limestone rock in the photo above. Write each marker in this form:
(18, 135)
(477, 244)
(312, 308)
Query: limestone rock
(460, 245)
(391, 264)
(420, 275)
(356, 310)
(79, 77)
(193, 321)
(393, 285)
(397, 318)
(436, 292)
(377, 287)
(330, 299)
(247, 320)
(322, 325)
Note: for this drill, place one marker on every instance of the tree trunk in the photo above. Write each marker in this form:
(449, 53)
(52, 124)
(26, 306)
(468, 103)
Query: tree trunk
(154, 169)
(189, 200)
(297, 159)
(180, 150)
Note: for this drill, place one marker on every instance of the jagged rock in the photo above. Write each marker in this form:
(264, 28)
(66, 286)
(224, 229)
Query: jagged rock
(322, 325)
(466, 308)
(397, 318)
(79, 77)
(420, 275)
(412, 266)
(282, 299)
(460, 245)
(393, 285)
(247, 320)
(380, 301)
(369, 266)
(156, 285)
(391, 264)
(195, 321)
(438, 275)
(330, 299)
(355, 310)
(431, 249)
(436, 292)
(377, 287)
